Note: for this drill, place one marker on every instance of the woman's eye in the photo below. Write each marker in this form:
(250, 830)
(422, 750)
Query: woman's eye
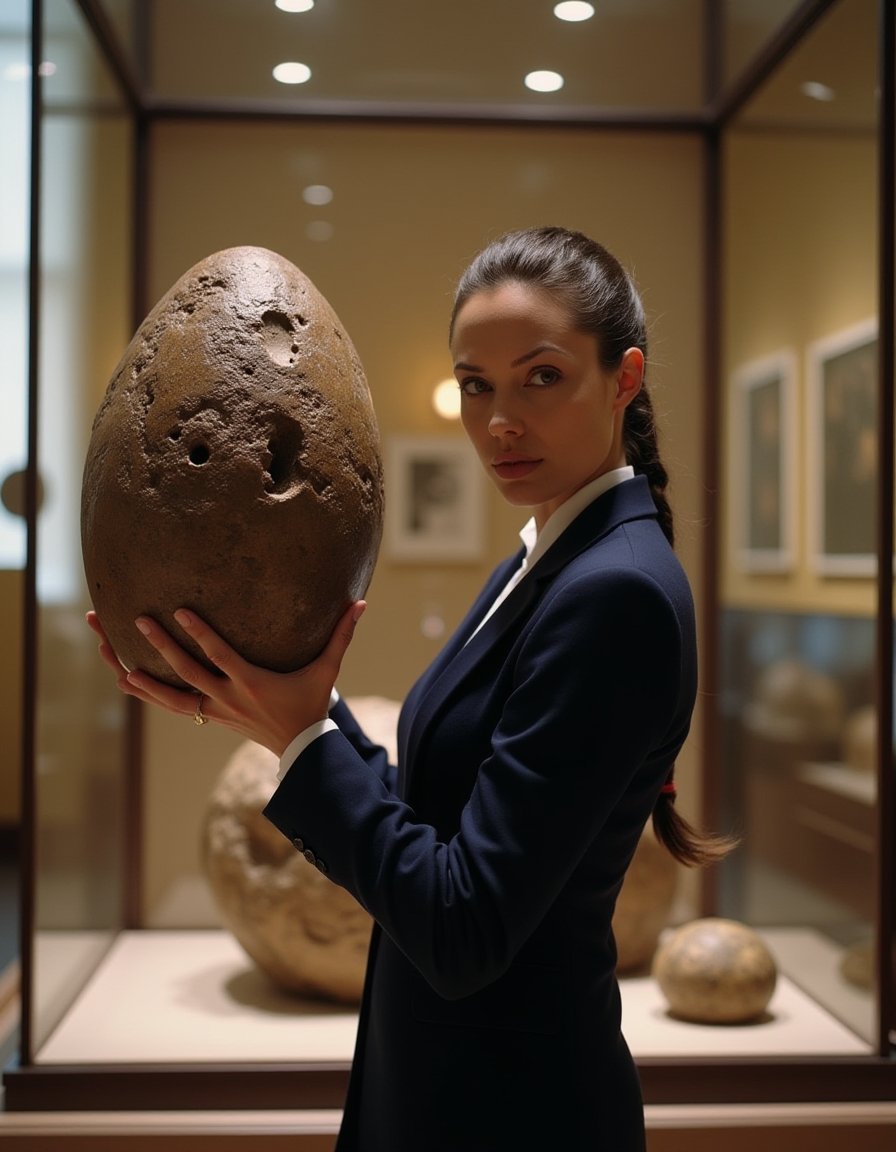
(544, 376)
(473, 387)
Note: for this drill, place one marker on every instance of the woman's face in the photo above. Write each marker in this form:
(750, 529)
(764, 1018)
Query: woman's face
(543, 415)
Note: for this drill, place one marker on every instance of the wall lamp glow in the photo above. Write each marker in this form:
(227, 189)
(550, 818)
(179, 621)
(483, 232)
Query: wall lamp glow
(446, 399)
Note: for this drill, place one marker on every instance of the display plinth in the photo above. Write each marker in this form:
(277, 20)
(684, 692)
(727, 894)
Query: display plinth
(184, 1020)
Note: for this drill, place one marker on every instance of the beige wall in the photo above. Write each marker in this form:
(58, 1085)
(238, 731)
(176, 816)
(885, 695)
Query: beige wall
(801, 265)
(411, 206)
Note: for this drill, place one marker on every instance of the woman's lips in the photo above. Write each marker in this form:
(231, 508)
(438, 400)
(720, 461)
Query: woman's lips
(509, 469)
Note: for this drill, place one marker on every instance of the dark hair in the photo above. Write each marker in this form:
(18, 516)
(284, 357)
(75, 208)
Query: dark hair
(602, 300)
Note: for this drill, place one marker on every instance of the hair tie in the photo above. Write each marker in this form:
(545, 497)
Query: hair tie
(669, 789)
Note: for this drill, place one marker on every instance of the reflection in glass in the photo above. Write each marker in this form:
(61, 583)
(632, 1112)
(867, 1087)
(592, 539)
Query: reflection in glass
(84, 317)
(797, 643)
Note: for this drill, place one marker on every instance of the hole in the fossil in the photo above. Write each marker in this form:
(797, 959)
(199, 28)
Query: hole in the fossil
(174, 434)
(199, 454)
(280, 465)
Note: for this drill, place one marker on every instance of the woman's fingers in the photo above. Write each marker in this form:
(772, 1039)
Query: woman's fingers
(177, 658)
(216, 649)
(337, 646)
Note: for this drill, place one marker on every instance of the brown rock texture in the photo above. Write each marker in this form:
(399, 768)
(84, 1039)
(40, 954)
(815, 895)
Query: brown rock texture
(234, 468)
(305, 933)
(715, 971)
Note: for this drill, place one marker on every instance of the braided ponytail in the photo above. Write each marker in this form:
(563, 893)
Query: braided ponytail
(639, 439)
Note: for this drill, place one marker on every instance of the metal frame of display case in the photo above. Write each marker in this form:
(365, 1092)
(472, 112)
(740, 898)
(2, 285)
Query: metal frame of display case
(46, 1087)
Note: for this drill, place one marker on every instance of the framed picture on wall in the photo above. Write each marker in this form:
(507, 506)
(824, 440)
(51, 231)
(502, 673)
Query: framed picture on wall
(842, 487)
(762, 453)
(435, 502)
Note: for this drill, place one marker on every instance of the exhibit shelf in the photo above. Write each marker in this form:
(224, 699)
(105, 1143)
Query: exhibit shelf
(184, 1019)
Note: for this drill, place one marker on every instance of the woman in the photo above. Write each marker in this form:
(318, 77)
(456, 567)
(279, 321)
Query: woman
(531, 753)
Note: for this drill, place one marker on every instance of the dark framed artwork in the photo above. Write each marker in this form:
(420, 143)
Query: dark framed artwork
(842, 487)
(435, 507)
(762, 430)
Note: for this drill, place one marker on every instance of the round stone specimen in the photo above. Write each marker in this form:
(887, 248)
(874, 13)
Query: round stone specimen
(308, 935)
(715, 971)
(644, 904)
(234, 468)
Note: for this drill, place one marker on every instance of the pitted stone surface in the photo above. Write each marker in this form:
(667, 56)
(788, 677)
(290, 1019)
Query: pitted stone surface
(234, 467)
(715, 971)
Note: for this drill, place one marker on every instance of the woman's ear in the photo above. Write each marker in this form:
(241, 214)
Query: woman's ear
(628, 377)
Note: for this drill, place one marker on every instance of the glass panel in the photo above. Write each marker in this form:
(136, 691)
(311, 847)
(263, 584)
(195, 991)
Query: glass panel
(747, 26)
(466, 52)
(84, 324)
(798, 594)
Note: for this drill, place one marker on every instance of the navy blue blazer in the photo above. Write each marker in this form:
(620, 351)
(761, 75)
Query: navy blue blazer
(530, 759)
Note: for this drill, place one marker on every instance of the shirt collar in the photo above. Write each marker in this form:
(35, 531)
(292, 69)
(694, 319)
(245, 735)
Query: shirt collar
(537, 543)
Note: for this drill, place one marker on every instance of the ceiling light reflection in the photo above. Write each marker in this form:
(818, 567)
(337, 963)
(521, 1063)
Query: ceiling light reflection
(544, 81)
(292, 72)
(319, 231)
(817, 91)
(573, 11)
(317, 194)
(294, 5)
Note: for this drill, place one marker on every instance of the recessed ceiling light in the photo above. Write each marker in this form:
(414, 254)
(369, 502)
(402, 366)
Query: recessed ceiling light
(291, 72)
(816, 91)
(544, 81)
(573, 11)
(317, 194)
(294, 5)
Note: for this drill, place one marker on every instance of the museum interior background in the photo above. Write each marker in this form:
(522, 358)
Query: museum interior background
(749, 209)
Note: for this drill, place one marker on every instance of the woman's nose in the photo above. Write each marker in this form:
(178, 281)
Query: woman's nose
(504, 420)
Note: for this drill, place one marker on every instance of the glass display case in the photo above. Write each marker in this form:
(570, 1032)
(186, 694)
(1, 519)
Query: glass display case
(134, 996)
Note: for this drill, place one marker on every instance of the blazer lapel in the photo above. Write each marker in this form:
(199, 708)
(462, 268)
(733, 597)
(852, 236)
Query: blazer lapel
(459, 658)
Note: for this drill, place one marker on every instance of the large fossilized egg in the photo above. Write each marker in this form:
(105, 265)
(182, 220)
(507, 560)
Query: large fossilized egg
(234, 468)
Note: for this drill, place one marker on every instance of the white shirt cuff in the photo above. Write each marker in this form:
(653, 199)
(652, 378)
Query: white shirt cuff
(298, 744)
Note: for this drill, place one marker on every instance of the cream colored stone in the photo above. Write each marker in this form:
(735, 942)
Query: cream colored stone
(644, 904)
(858, 965)
(234, 467)
(306, 933)
(715, 971)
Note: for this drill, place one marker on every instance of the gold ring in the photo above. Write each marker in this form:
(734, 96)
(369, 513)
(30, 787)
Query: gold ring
(198, 718)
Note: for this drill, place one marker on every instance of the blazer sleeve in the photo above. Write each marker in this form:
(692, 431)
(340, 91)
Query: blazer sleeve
(596, 691)
(375, 756)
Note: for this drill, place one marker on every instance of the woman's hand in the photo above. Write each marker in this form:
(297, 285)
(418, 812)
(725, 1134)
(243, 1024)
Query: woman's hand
(270, 708)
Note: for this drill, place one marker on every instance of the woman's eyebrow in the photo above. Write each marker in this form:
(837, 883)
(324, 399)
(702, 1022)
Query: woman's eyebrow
(463, 366)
